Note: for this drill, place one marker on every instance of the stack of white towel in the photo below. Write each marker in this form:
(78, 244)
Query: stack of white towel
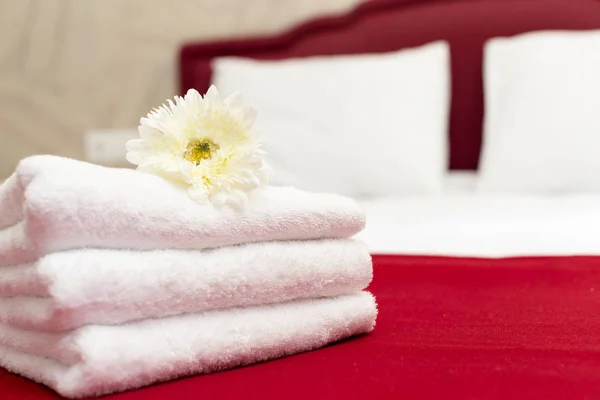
(112, 279)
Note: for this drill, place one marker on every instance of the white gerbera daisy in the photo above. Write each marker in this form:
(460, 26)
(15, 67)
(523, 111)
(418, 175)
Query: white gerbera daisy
(207, 143)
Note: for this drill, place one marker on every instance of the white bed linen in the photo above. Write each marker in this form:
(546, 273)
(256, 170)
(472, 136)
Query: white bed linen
(463, 223)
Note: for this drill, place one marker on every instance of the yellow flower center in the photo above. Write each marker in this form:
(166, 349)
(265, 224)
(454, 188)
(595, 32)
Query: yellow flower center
(199, 149)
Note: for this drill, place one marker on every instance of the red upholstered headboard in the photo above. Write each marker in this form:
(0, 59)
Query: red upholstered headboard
(384, 25)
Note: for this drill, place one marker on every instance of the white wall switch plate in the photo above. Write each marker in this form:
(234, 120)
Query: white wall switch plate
(107, 147)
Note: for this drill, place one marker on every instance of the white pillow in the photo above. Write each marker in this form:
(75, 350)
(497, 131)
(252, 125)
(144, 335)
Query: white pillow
(542, 113)
(355, 124)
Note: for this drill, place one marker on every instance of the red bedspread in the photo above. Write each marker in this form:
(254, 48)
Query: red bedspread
(447, 328)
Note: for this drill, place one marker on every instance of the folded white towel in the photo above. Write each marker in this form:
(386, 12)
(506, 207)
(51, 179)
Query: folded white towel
(70, 289)
(51, 204)
(95, 360)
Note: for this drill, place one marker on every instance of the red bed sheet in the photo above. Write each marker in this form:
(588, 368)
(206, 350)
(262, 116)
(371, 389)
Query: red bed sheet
(447, 328)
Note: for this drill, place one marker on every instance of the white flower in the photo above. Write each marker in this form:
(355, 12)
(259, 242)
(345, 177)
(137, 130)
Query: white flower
(206, 143)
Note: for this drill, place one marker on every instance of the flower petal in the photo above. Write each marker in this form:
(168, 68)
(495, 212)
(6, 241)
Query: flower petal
(134, 158)
(237, 199)
(250, 115)
(135, 145)
(192, 100)
(212, 95)
(234, 100)
(198, 194)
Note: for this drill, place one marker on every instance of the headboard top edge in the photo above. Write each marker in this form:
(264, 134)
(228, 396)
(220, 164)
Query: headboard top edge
(284, 38)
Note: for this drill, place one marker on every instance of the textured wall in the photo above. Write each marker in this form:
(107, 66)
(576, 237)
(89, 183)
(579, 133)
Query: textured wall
(67, 66)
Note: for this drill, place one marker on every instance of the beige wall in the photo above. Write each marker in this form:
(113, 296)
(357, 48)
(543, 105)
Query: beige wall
(67, 66)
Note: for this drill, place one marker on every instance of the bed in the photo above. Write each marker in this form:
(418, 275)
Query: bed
(479, 296)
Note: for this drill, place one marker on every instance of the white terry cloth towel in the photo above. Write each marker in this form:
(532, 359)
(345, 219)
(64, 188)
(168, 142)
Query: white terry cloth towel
(96, 360)
(51, 204)
(66, 290)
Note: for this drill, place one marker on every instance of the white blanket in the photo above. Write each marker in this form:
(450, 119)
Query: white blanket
(473, 225)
